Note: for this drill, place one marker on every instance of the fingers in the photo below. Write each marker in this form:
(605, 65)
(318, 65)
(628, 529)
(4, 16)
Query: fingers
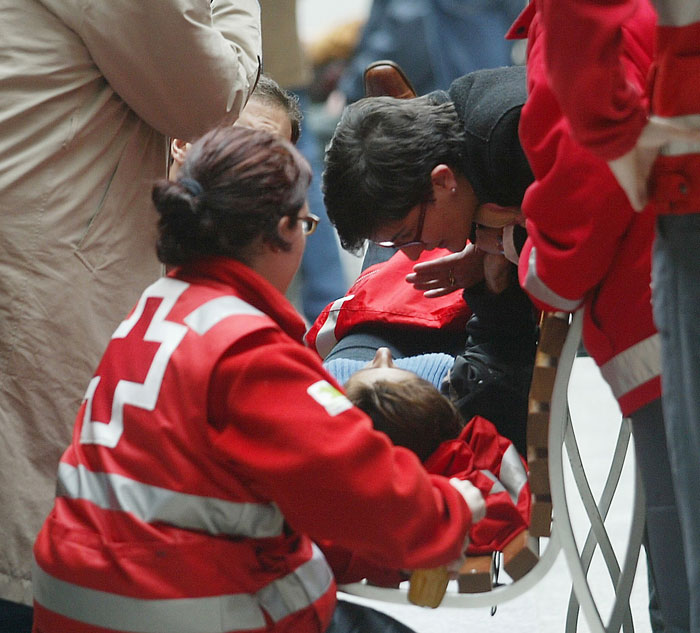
(439, 264)
(489, 240)
(449, 273)
(435, 286)
(440, 292)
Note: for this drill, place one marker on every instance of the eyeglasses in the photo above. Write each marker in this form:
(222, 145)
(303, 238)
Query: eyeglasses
(416, 241)
(309, 223)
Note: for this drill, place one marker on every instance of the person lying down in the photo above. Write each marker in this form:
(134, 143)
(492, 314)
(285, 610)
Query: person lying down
(415, 415)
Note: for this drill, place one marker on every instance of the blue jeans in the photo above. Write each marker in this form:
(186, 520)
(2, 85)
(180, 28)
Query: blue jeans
(668, 587)
(676, 302)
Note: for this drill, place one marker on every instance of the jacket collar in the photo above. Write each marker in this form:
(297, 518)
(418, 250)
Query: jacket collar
(245, 283)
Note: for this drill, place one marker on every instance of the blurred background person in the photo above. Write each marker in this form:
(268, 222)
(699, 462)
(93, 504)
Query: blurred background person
(321, 277)
(434, 41)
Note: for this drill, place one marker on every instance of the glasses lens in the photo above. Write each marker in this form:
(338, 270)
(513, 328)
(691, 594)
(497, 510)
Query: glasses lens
(309, 223)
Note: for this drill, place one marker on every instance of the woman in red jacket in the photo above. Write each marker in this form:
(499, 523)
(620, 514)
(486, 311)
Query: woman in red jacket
(651, 141)
(212, 448)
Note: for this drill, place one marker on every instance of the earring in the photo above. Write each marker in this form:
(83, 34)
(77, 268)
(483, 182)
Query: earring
(454, 190)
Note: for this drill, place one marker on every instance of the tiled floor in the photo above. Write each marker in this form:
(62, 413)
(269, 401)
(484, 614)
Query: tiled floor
(543, 608)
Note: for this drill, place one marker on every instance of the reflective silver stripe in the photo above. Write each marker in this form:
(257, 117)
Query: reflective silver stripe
(512, 473)
(152, 503)
(325, 339)
(677, 12)
(537, 288)
(497, 485)
(512, 476)
(212, 312)
(217, 614)
(297, 590)
(633, 367)
(680, 148)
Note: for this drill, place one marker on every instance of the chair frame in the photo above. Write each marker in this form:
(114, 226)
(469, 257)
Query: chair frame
(557, 350)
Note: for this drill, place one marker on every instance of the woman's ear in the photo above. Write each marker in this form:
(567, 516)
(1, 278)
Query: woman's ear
(178, 150)
(285, 225)
(443, 177)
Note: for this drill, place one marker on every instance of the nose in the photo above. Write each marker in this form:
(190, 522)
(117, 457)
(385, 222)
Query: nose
(413, 252)
(382, 358)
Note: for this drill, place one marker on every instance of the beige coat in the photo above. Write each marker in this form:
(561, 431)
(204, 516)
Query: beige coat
(89, 90)
(284, 58)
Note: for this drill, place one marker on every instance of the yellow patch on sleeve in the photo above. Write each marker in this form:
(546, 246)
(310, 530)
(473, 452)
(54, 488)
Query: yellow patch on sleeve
(329, 397)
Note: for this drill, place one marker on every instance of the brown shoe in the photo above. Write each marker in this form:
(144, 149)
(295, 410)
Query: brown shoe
(385, 78)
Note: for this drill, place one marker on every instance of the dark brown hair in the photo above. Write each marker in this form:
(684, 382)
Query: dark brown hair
(412, 412)
(234, 186)
(269, 92)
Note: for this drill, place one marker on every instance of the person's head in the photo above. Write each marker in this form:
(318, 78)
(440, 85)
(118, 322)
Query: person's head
(391, 162)
(241, 193)
(274, 109)
(269, 107)
(410, 410)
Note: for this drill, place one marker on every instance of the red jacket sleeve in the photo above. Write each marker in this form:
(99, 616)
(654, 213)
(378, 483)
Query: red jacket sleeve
(297, 441)
(584, 40)
(576, 212)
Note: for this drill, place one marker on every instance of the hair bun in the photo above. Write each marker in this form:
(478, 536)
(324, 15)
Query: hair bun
(192, 186)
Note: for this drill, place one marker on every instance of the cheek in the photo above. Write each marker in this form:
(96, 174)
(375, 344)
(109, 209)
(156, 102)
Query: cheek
(300, 245)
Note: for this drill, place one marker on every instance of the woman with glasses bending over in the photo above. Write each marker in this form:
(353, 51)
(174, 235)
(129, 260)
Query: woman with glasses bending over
(212, 449)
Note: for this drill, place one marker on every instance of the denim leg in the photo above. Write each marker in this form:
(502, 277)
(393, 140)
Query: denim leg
(668, 585)
(676, 301)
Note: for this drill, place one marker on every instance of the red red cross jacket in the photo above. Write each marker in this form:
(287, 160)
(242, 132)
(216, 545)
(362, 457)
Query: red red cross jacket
(381, 295)
(606, 109)
(586, 246)
(491, 463)
(211, 449)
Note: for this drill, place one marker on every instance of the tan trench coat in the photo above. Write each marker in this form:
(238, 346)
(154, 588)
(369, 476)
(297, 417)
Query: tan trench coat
(88, 91)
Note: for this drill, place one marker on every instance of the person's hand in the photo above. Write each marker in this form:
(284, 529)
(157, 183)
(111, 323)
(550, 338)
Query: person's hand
(489, 240)
(632, 169)
(495, 216)
(496, 273)
(450, 273)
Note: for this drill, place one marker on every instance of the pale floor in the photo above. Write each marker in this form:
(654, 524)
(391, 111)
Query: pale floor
(543, 608)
